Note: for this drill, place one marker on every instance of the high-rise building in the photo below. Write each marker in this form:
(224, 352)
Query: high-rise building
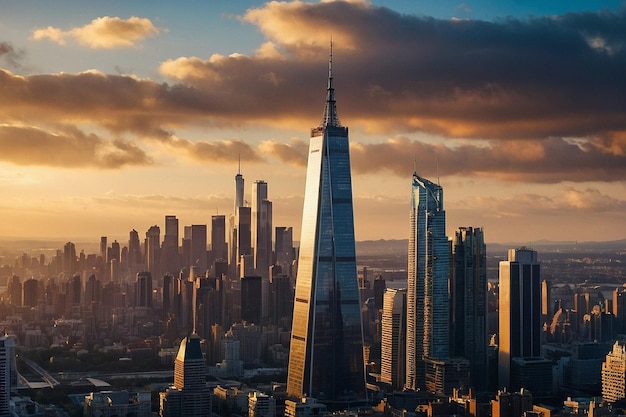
(326, 353)
(134, 252)
(614, 374)
(144, 290)
(393, 355)
(70, 262)
(262, 228)
(233, 229)
(198, 247)
(468, 302)
(284, 247)
(103, 248)
(30, 288)
(262, 239)
(169, 256)
(153, 249)
(219, 249)
(8, 374)
(428, 273)
(189, 396)
(244, 238)
(251, 307)
(15, 290)
(519, 310)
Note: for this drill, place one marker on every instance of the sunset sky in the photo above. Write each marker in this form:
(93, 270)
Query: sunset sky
(114, 114)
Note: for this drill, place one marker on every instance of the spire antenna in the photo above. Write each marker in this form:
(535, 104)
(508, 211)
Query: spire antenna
(330, 118)
(239, 163)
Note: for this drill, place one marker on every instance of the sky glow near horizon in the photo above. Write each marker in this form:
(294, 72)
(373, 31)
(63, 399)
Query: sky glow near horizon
(115, 114)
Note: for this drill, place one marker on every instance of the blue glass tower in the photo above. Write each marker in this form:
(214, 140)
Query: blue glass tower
(326, 354)
(428, 272)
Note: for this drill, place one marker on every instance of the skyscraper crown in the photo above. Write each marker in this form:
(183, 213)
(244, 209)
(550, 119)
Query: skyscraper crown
(330, 117)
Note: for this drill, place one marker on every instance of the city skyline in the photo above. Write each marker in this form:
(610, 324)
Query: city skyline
(115, 115)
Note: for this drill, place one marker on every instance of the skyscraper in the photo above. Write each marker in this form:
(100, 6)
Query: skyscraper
(428, 273)
(169, 255)
(153, 249)
(219, 249)
(8, 373)
(326, 354)
(519, 310)
(614, 374)
(198, 247)
(468, 302)
(284, 247)
(233, 230)
(262, 239)
(189, 396)
(262, 228)
(143, 290)
(393, 344)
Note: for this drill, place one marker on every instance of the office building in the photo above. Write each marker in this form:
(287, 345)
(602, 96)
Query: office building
(261, 216)
(8, 374)
(326, 353)
(519, 310)
(134, 252)
(444, 375)
(144, 290)
(70, 262)
(117, 403)
(261, 228)
(152, 246)
(189, 396)
(250, 299)
(198, 248)
(169, 256)
(511, 404)
(428, 273)
(219, 248)
(261, 405)
(103, 248)
(284, 247)
(533, 374)
(305, 407)
(468, 302)
(614, 374)
(393, 355)
(31, 292)
(233, 229)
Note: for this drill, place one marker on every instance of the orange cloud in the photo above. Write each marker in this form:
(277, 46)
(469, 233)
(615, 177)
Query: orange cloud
(102, 33)
(67, 148)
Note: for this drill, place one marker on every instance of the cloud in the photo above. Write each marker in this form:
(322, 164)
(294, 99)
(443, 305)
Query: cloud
(102, 33)
(10, 55)
(219, 152)
(550, 160)
(540, 99)
(294, 153)
(68, 148)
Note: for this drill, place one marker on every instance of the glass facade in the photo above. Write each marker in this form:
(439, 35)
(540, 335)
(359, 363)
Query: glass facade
(326, 354)
(428, 272)
(519, 310)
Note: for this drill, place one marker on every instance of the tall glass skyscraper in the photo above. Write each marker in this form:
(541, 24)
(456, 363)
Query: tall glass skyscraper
(326, 354)
(468, 302)
(519, 311)
(428, 273)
